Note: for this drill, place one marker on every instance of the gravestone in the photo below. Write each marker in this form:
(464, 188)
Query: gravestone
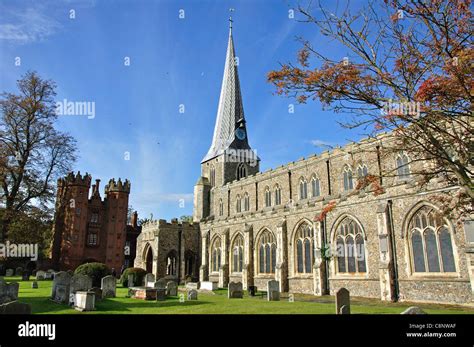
(209, 285)
(19, 271)
(143, 293)
(192, 285)
(344, 310)
(85, 301)
(131, 281)
(80, 283)
(160, 294)
(15, 307)
(413, 310)
(273, 290)
(61, 287)
(8, 291)
(9, 272)
(109, 287)
(343, 299)
(97, 292)
(252, 290)
(40, 275)
(34, 285)
(149, 280)
(160, 284)
(25, 276)
(48, 275)
(171, 288)
(193, 294)
(235, 290)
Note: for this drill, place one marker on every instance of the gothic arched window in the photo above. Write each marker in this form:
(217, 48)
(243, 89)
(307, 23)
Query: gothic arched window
(431, 242)
(303, 189)
(238, 254)
(241, 171)
(268, 197)
(277, 195)
(238, 204)
(362, 171)
(267, 252)
(347, 177)
(171, 263)
(315, 187)
(403, 166)
(350, 247)
(304, 248)
(246, 202)
(221, 207)
(212, 175)
(216, 255)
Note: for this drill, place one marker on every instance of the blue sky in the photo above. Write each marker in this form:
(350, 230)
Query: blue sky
(173, 61)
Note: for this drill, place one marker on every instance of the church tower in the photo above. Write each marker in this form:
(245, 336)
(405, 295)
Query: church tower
(230, 156)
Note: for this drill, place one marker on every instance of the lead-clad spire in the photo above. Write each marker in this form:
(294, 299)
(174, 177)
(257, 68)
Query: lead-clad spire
(230, 113)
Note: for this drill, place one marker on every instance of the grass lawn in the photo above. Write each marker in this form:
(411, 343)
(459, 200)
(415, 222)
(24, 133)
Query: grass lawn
(218, 303)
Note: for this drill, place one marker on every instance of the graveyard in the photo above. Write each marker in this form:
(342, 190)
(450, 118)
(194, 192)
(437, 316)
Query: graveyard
(218, 301)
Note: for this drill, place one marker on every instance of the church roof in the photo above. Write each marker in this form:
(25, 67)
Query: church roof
(230, 113)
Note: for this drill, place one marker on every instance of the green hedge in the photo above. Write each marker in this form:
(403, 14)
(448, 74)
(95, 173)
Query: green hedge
(96, 271)
(138, 273)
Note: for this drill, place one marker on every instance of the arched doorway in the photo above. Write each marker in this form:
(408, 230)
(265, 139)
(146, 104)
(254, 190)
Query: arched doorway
(149, 260)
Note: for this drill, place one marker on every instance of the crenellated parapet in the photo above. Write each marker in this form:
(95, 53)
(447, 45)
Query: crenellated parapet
(118, 186)
(75, 179)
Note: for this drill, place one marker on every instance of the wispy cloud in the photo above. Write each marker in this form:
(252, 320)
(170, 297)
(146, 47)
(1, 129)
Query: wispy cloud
(323, 144)
(28, 25)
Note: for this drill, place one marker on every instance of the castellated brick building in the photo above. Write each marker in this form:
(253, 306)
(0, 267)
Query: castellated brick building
(258, 226)
(89, 228)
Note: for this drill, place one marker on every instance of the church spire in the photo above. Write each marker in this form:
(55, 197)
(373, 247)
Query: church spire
(229, 131)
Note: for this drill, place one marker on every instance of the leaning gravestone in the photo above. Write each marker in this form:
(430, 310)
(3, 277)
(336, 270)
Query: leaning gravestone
(9, 272)
(40, 275)
(108, 285)
(413, 310)
(149, 280)
(273, 290)
(343, 299)
(171, 288)
(192, 294)
(235, 290)
(61, 287)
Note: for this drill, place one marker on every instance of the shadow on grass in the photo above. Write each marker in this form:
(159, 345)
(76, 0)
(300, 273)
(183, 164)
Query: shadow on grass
(117, 305)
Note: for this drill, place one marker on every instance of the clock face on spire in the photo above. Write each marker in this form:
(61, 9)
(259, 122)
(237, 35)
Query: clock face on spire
(240, 133)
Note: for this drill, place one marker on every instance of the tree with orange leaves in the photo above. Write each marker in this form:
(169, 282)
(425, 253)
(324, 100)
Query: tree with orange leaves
(410, 75)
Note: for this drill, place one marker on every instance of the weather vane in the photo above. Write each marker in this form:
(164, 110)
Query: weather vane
(230, 17)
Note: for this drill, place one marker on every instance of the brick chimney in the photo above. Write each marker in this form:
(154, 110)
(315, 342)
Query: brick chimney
(134, 219)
